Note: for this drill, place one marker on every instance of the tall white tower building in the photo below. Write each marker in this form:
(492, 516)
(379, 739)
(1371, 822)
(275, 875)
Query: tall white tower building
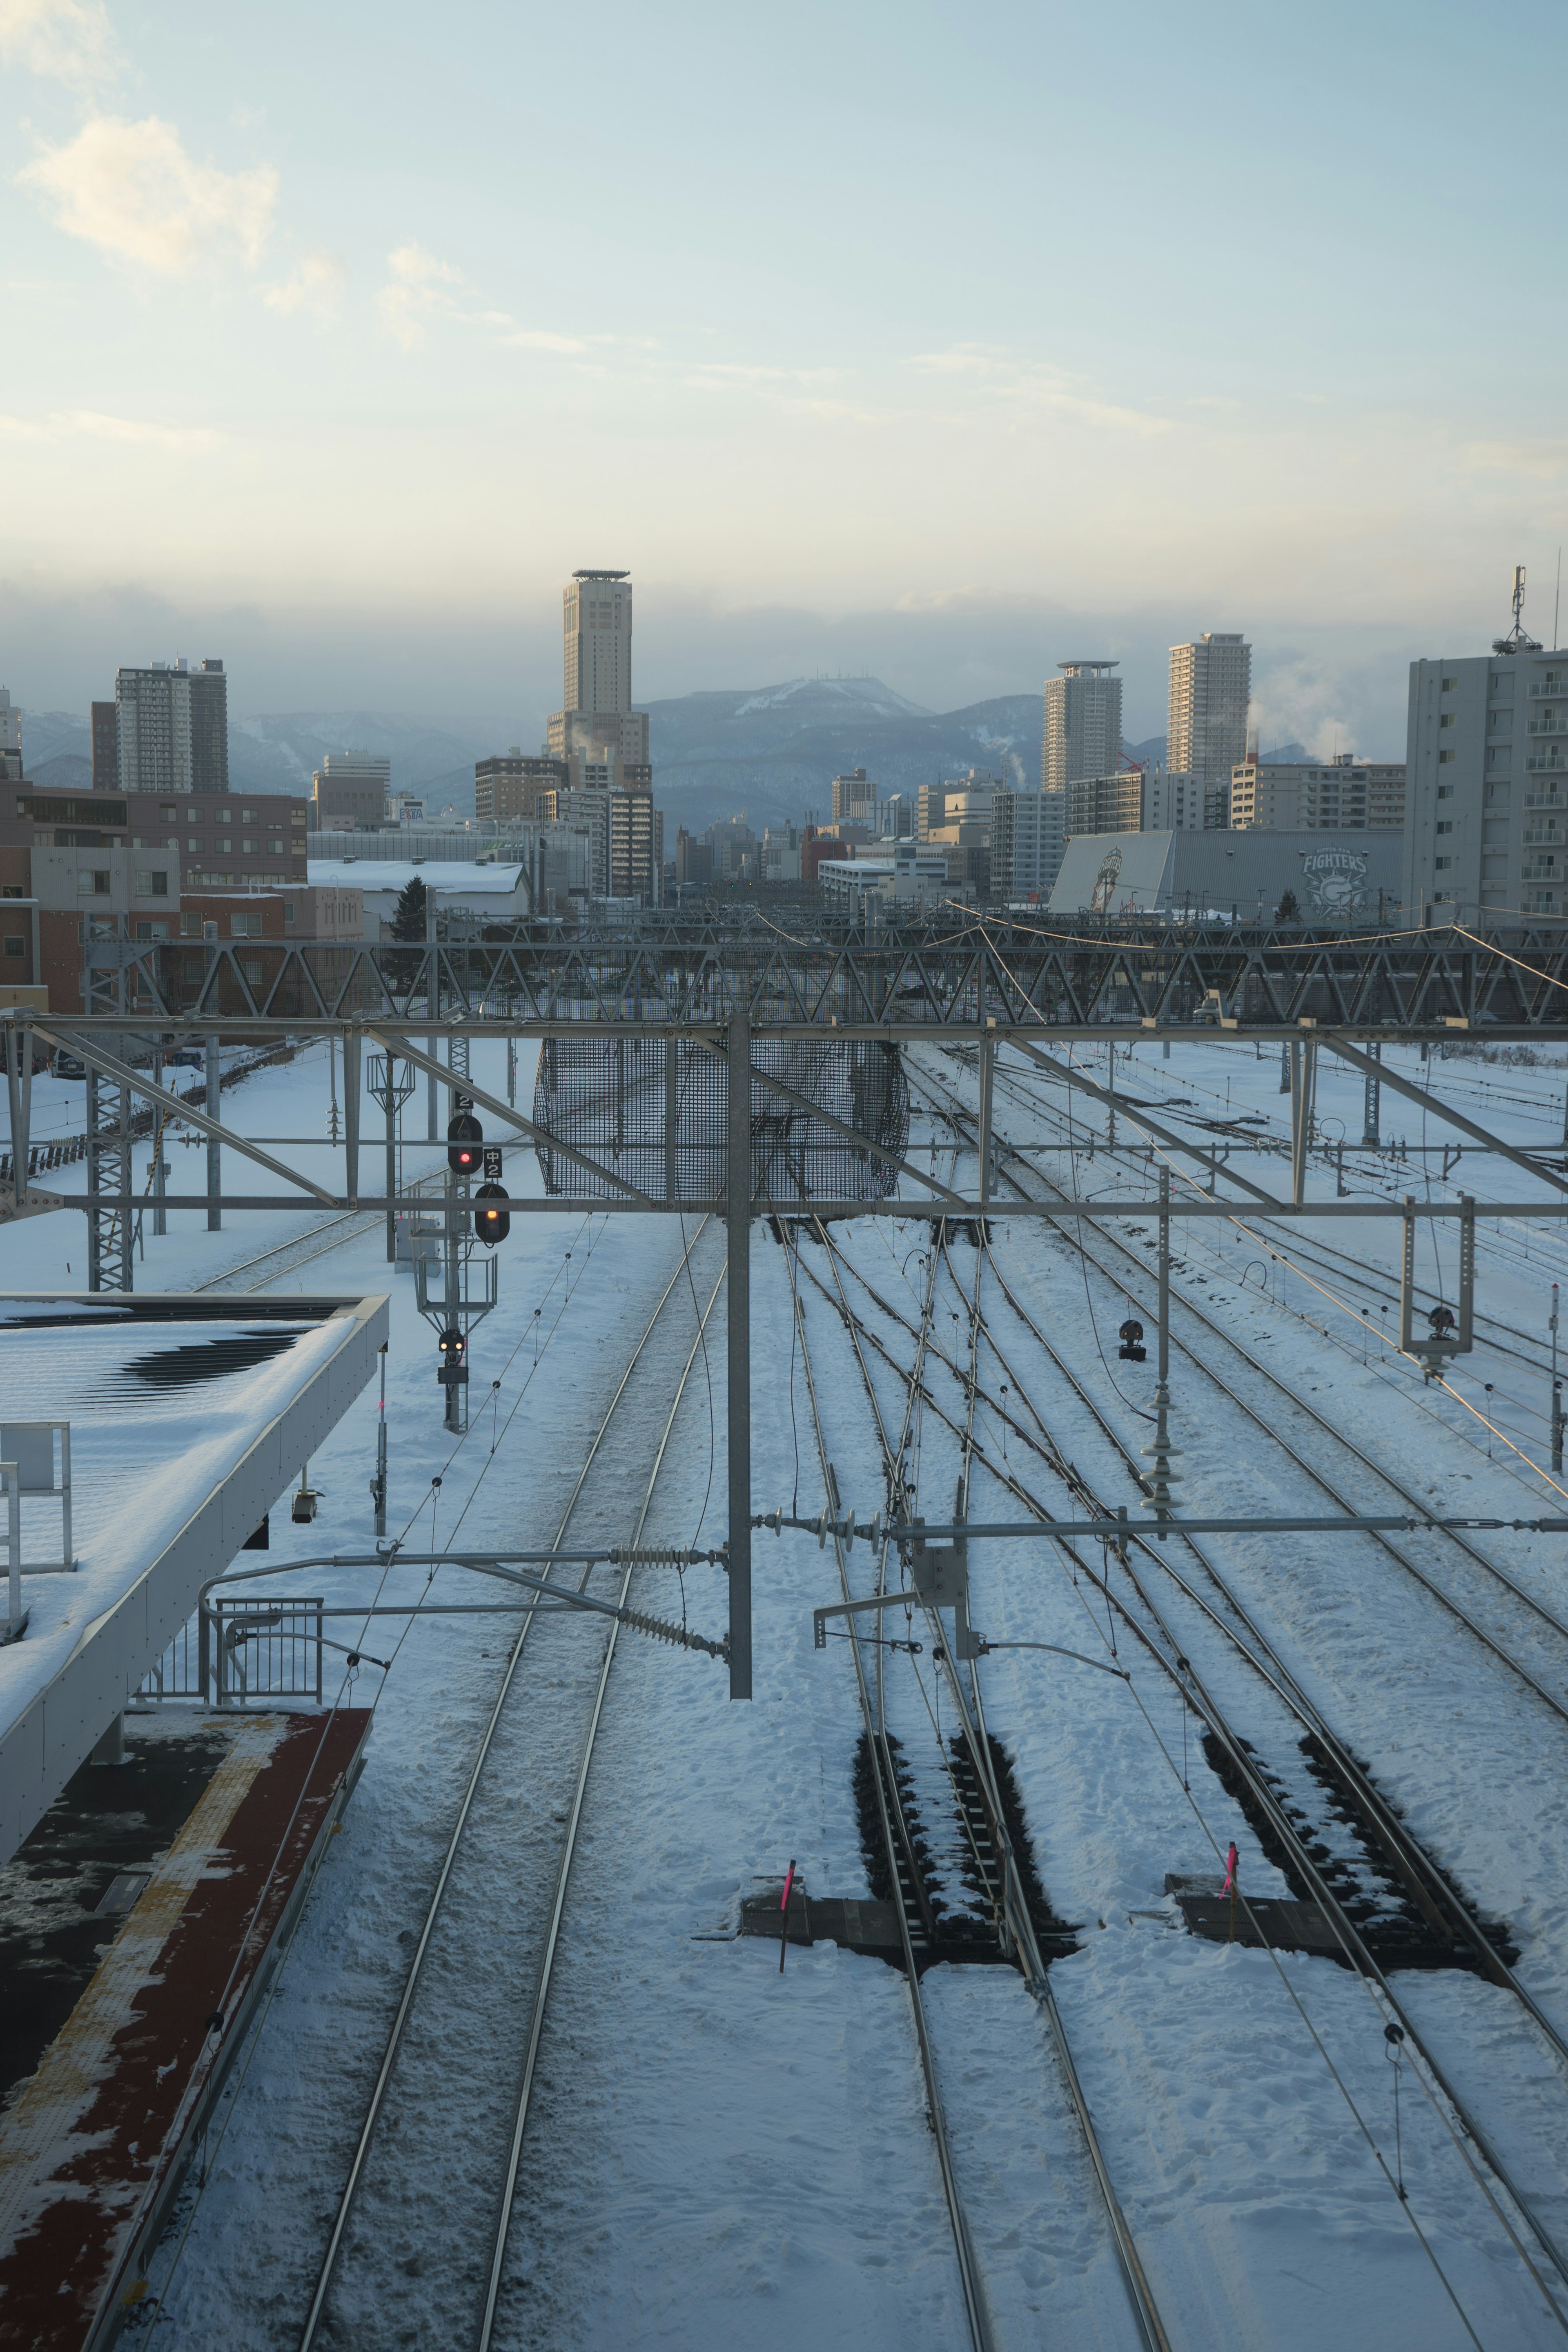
(1211, 684)
(597, 727)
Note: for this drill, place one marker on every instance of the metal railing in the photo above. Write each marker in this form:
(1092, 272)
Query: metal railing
(240, 1654)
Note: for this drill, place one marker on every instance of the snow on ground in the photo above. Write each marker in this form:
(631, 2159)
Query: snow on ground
(722, 2155)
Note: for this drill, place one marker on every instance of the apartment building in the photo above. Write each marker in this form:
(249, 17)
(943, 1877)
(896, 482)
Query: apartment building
(1026, 846)
(348, 791)
(172, 729)
(1486, 833)
(512, 784)
(1211, 684)
(1109, 803)
(1341, 795)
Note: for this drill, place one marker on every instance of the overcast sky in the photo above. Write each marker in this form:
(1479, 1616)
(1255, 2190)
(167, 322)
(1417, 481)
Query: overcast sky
(945, 341)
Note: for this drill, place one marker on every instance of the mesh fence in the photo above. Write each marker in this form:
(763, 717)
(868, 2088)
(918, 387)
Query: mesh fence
(607, 1099)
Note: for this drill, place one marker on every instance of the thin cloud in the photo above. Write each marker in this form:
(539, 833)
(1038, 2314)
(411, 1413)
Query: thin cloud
(131, 190)
(1029, 385)
(66, 40)
(316, 286)
(67, 424)
(418, 295)
(414, 293)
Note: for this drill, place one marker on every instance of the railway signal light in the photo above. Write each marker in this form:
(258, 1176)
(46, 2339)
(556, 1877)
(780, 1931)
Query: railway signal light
(1133, 1351)
(491, 1222)
(464, 1138)
(454, 1352)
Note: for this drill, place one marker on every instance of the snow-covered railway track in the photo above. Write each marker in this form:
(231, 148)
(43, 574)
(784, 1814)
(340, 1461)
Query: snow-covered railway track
(1488, 1578)
(904, 1874)
(1267, 1803)
(451, 2099)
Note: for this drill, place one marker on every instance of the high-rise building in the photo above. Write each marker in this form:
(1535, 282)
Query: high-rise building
(350, 791)
(636, 848)
(1211, 684)
(855, 799)
(1025, 854)
(1111, 803)
(1342, 794)
(597, 733)
(1083, 724)
(172, 729)
(512, 784)
(1486, 832)
(105, 748)
(1173, 802)
(10, 724)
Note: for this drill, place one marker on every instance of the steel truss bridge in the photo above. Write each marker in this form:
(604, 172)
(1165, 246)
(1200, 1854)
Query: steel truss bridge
(960, 971)
(713, 985)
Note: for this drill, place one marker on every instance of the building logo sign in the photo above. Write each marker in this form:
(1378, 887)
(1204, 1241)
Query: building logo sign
(1333, 882)
(1105, 883)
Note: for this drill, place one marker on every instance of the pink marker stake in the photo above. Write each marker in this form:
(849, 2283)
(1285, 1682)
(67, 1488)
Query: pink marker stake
(783, 1915)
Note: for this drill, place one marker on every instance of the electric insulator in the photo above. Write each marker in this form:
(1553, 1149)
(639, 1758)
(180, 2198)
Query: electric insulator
(464, 1138)
(491, 1222)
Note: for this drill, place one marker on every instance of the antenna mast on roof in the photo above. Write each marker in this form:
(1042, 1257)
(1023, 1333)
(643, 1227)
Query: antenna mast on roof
(1517, 641)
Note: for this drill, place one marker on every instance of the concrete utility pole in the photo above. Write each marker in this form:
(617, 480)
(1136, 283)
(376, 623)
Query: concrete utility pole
(738, 1326)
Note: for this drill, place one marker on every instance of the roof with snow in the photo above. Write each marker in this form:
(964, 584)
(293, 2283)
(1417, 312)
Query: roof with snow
(459, 877)
(188, 1418)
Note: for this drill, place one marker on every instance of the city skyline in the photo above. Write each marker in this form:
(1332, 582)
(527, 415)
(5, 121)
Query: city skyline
(918, 448)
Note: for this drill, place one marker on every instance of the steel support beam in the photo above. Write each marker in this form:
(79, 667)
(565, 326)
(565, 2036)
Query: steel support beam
(130, 1082)
(352, 1084)
(738, 1329)
(1303, 1088)
(840, 1127)
(464, 1085)
(1440, 1109)
(215, 1145)
(1141, 1118)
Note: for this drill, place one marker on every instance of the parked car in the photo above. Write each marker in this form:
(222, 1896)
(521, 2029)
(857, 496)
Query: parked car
(69, 1066)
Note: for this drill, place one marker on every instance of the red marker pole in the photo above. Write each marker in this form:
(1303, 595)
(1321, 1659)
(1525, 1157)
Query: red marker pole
(1230, 1886)
(783, 1915)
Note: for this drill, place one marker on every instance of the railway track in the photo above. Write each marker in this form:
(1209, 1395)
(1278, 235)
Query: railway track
(1246, 1770)
(1136, 1284)
(452, 2095)
(981, 1808)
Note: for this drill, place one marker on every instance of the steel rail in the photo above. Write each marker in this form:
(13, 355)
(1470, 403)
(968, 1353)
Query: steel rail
(1349, 1444)
(1425, 1878)
(1345, 1932)
(1145, 2311)
(394, 2038)
(1344, 1929)
(1320, 1478)
(564, 1871)
(976, 2311)
(1422, 1876)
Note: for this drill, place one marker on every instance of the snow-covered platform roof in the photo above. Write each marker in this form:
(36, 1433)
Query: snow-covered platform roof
(189, 1418)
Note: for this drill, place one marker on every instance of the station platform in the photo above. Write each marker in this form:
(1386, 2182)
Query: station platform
(169, 1883)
